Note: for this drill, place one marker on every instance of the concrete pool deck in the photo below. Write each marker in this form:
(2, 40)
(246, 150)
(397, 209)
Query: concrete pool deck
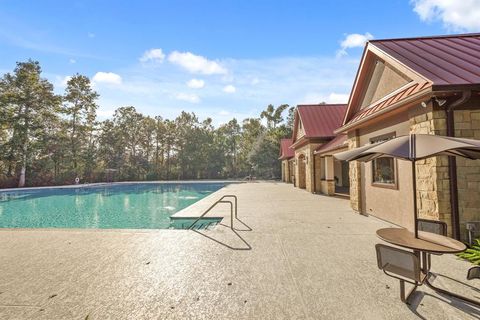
(311, 258)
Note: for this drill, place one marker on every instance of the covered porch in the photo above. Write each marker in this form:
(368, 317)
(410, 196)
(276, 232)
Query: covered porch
(331, 174)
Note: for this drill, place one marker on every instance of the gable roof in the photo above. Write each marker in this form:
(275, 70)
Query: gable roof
(444, 60)
(319, 120)
(430, 62)
(285, 151)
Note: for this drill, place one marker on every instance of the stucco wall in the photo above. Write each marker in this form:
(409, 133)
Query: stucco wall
(384, 80)
(391, 204)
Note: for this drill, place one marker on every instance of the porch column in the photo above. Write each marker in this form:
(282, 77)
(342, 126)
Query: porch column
(329, 175)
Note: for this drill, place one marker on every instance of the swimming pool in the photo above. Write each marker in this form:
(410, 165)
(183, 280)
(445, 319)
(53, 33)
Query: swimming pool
(122, 206)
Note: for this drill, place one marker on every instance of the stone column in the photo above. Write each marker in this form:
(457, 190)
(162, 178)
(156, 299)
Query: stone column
(355, 175)
(433, 183)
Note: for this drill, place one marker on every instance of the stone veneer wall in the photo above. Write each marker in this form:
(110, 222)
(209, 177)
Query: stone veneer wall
(285, 171)
(467, 125)
(355, 175)
(318, 173)
(307, 150)
(433, 183)
(327, 187)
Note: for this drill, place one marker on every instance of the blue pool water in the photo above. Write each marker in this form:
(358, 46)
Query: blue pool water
(123, 206)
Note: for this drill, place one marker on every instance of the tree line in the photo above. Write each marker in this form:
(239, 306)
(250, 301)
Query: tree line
(51, 139)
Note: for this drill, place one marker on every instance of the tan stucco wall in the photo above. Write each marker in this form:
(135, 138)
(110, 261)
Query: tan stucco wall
(383, 81)
(394, 205)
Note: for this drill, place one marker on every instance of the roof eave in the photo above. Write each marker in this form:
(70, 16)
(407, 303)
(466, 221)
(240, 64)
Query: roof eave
(402, 103)
(344, 146)
(458, 87)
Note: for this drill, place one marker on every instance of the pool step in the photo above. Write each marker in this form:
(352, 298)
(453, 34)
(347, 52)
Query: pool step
(186, 223)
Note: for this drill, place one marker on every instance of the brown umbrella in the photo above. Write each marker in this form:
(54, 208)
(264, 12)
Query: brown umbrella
(412, 148)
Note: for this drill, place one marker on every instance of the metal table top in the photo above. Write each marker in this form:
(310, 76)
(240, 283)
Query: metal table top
(426, 241)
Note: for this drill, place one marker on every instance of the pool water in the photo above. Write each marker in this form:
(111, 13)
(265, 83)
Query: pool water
(123, 206)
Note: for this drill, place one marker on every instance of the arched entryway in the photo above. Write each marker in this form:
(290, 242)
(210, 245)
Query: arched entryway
(301, 171)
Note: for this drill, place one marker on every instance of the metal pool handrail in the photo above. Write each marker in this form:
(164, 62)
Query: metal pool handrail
(217, 202)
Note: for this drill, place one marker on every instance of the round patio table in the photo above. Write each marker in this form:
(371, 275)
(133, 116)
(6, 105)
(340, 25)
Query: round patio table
(426, 241)
(425, 244)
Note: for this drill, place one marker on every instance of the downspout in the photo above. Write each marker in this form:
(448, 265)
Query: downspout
(452, 162)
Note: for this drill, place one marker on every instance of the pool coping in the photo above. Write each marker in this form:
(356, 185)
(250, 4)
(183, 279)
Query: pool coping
(130, 230)
(86, 185)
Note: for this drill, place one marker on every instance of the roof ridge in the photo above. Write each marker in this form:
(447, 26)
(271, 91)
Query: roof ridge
(321, 104)
(461, 35)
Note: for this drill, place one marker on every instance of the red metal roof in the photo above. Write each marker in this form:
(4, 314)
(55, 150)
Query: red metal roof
(385, 103)
(337, 143)
(285, 151)
(445, 60)
(441, 60)
(320, 120)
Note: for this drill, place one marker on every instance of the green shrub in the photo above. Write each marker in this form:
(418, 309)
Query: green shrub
(472, 254)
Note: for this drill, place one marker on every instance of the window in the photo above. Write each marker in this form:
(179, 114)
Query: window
(384, 168)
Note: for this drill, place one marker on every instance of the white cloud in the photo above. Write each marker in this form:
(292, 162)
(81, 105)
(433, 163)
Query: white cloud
(195, 83)
(105, 113)
(107, 78)
(65, 81)
(255, 81)
(338, 97)
(72, 61)
(456, 15)
(196, 64)
(192, 98)
(91, 35)
(353, 40)
(333, 97)
(155, 55)
(229, 89)
(291, 80)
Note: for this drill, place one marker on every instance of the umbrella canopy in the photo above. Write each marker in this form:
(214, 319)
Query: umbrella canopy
(412, 148)
(415, 147)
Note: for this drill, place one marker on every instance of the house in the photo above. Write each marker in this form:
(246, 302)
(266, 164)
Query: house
(313, 127)
(428, 85)
(286, 157)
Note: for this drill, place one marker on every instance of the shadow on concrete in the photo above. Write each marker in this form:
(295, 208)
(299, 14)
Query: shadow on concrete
(463, 306)
(244, 244)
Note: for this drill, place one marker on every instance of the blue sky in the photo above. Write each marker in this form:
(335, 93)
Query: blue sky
(220, 59)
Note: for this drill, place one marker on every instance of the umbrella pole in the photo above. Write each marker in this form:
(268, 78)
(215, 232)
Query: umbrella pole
(415, 216)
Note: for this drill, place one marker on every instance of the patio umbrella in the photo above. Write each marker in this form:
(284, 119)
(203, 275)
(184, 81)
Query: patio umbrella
(414, 147)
